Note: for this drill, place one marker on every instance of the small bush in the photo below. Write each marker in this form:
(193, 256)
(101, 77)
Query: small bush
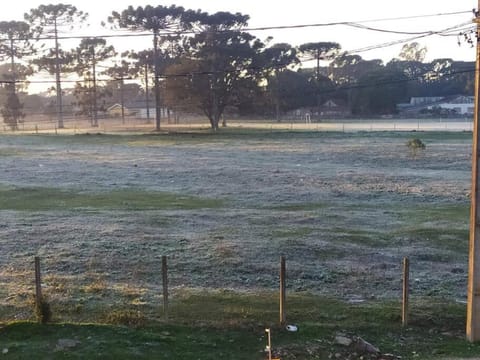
(415, 145)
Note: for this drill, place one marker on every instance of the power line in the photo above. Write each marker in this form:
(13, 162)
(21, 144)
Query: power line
(445, 32)
(263, 28)
(348, 23)
(255, 69)
(401, 41)
(355, 51)
(337, 89)
(428, 32)
(409, 17)
(206, 73)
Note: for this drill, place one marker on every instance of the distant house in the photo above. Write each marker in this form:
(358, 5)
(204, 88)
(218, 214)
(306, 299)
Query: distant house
(116, 111)
(142, 112)
(444, 105)
(419, 101)
(329, 109)
(462, 105)
(334, 108)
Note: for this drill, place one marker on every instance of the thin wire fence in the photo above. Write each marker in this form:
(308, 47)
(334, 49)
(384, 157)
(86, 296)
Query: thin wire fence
(168, 294)
(79, 125)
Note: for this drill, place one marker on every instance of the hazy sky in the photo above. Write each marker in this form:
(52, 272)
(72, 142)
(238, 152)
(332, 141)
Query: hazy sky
(280, 13)
(275, 12)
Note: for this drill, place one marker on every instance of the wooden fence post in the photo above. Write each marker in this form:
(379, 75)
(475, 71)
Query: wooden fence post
(406, 283)
(165, 286)
(38, 283)
(283, 315)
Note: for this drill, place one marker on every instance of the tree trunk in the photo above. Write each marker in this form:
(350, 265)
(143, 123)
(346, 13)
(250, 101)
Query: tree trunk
(13, 86)
(214, 120)
(158, 108)
(277, 110)
(147, 101)
(122, 99)
(58, 80)
(95, 110)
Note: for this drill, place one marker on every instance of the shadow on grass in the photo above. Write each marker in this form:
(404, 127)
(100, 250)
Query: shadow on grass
(227, 324)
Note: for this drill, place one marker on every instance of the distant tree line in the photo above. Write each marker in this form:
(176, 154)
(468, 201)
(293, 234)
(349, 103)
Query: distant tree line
(204, 63)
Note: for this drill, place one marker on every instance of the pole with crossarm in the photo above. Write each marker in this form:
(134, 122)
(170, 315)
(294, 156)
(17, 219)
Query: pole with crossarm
(473, 293)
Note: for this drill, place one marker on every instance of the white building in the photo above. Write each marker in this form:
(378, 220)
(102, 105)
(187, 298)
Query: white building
(142, 112)
(457, 104)
(461, 105)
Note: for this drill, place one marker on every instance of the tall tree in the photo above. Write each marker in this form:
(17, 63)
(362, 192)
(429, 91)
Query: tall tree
(159, 20)
(143, 67)
(118, 73)
(90, 52)
(15, 43)
(417, 71)
(413, 52)
(347, 70)
(319, 51)
(220, 58)
(448, 77)
(379, 92)
(49, 20)
(274, 60)
(295, 90)
(48, 63)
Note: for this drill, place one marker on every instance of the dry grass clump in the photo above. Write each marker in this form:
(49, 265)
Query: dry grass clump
(97, 286)
(130, 318)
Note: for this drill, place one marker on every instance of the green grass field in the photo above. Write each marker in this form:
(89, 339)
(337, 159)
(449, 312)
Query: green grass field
(344, 208)
(231, 325)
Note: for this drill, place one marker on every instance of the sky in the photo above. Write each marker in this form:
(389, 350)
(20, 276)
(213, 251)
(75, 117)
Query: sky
(279, 13)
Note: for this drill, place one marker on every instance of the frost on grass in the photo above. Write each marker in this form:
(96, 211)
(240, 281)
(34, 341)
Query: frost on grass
(344, 210)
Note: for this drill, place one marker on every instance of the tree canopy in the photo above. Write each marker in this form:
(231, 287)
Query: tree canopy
(210, 64)
(49, 20)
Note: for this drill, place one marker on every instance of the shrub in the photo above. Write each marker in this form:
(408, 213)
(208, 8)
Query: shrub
(415, 145)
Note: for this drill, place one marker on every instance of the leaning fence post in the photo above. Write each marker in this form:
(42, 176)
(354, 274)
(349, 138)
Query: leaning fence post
(283, 315)
(406, 276)
(38, 283)
(42, 308)
(165, 286)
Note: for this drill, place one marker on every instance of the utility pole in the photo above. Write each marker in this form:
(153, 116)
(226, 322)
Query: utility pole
(12, 65)
(147, 95)
(122, 93)
(16, 110)
(58, 80)
(94, 71)
(473, 300)
(158, 108)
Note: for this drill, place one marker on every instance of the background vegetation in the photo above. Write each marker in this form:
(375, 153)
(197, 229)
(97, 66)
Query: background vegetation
(211, 67)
